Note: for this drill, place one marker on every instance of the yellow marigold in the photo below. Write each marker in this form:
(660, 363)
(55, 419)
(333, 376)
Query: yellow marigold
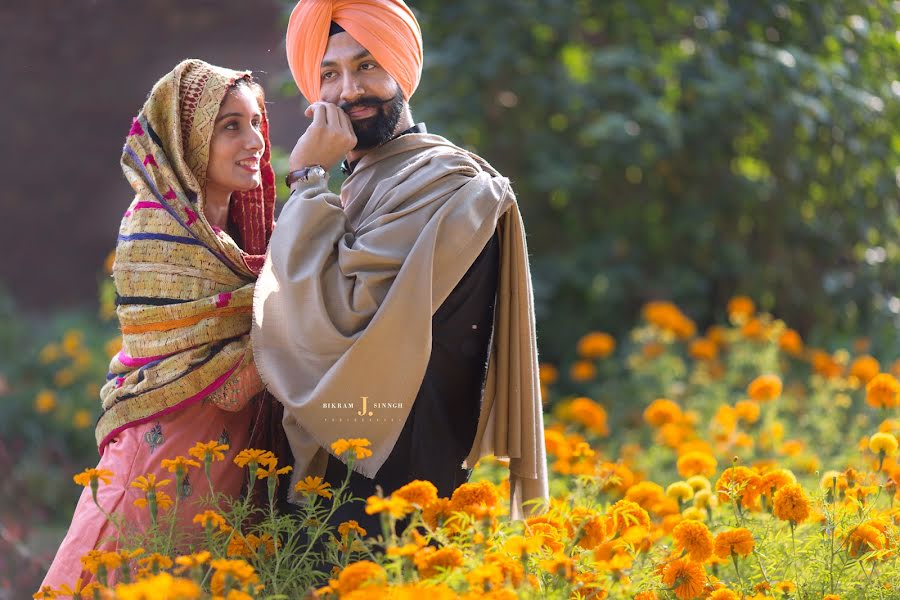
(90, 477)
(765, 388)
(786, 587)
(686, 578)
(695, 513)
(550, 536)
(548, 373)
(253, 457)
(148, 483)
(590, 414)
(703, 349)
(191, 560)
(680, 490)
(831, 597)
(693, 538)
(865, 368)
(596, 345)
(883, 443)
(44, 402)
(723, 594)
(155, 561)
(160, 585)
(582, 370)
(740, 308)
(734, 541)
(313, 485)
(883, 391)
(358, 446)
(741, 482)
(696, 463)
(163, 501)
(211, 451)
(395, 506)
(699, 483)
(791, 343)
(210, 517)
(662, 411)
(179, 462)
(485, 578)
(418, 493)
(233, 569)
(791, 504)
(429, 561)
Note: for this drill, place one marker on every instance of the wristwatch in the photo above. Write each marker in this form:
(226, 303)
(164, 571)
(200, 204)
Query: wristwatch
(305, 175)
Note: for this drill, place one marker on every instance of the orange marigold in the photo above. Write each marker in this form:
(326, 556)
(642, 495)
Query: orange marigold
(734, 541)
(741, 482)
(596, 345)
(582, 370)
(703, 349)
(765, 388)
(791, 343)
(723, 594)
(662, 411)
(590, 414)
(694, 538)
(624, 514)
(865, 368)
(685, 577)
(740, 308)
(470, 496)
(865, 538)
(883, 391)
(791, 504)
(418, 493)
(355, 575)
(696, 463)
(429, 561)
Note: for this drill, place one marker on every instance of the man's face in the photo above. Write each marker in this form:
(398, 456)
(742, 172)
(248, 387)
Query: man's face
(353, 79)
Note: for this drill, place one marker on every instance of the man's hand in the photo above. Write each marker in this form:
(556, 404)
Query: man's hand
(326, 141)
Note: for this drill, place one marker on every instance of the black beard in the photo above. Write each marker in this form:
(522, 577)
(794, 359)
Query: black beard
(379, 128)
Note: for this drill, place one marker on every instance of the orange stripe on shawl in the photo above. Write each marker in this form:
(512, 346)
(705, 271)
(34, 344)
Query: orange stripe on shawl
(386, 28)
(186, 321)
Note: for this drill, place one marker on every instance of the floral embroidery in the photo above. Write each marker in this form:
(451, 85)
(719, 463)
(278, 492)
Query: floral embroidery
(224, 438)
(154, 437)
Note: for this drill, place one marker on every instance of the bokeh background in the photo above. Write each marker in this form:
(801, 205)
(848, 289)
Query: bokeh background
(660, 150)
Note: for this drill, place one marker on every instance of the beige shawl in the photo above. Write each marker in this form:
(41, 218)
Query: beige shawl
(342, 309)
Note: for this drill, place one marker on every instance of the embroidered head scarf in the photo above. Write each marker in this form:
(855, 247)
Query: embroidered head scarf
(386, 28)
(184, 292)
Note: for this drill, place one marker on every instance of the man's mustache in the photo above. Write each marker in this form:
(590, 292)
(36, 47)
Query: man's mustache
(362, 103)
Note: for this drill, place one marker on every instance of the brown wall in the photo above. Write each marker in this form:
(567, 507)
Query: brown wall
(73, 74)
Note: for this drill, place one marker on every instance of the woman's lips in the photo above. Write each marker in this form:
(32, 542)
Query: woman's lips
(250, 165)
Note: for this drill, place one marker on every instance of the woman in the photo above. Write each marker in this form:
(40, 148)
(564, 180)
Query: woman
(189, 249)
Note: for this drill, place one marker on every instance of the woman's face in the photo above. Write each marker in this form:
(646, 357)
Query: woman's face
(237, 144)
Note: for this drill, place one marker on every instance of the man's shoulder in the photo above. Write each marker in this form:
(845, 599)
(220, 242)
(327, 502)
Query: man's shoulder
(436, 152)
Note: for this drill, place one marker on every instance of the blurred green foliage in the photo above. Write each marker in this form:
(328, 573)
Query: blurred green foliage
(685, 150)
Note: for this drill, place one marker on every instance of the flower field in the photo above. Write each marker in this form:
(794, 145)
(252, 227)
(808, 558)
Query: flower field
(737, 463)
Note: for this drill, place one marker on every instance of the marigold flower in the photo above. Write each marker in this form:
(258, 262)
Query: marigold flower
(734, 541)
(786, 587)
(191, 560)
(646, 494)
(161, 585)
(765, 388)
(596, 345)
(740, 308)
(44, 402)
(485, 578)
(359, 446)
(548, 373)
(685, 577)
(163, 501)
(271, 469)
(791, 504)
(179, 462)
(469, 496)
(723, 594)
(740, 482)
(590, 414)
(155, 561)
(680, 490)
(652, 350)
(582, 370)
(211, 451)
(865, 368)
(236, 569)
(754, 329)
(662, 411)
(418, 493)
(396, 507)
(148, 483)
(82, 419)
(694, 538)
(435, 513)
(696, 463)
(791, 343)
(90, 477)
(429, 561)
(866, 538)
(346, 527)
(883, 443)
(253, 457)
(703, 349)
(883, 391)
(624, 514)
(774, 480)
(210, 517)
(313, 485)
(356, 575)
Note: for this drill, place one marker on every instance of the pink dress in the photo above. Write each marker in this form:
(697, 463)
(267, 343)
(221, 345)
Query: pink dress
(138, 451)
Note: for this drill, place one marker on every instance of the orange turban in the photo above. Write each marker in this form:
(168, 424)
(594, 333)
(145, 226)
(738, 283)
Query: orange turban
(386, 28)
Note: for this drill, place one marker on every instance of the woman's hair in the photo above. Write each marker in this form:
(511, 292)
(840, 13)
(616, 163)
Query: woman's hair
(257, 90)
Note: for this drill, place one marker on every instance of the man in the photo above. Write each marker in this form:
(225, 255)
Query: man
(400, 311)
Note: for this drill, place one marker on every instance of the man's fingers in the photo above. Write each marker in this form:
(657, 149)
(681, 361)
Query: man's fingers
(318, 114)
